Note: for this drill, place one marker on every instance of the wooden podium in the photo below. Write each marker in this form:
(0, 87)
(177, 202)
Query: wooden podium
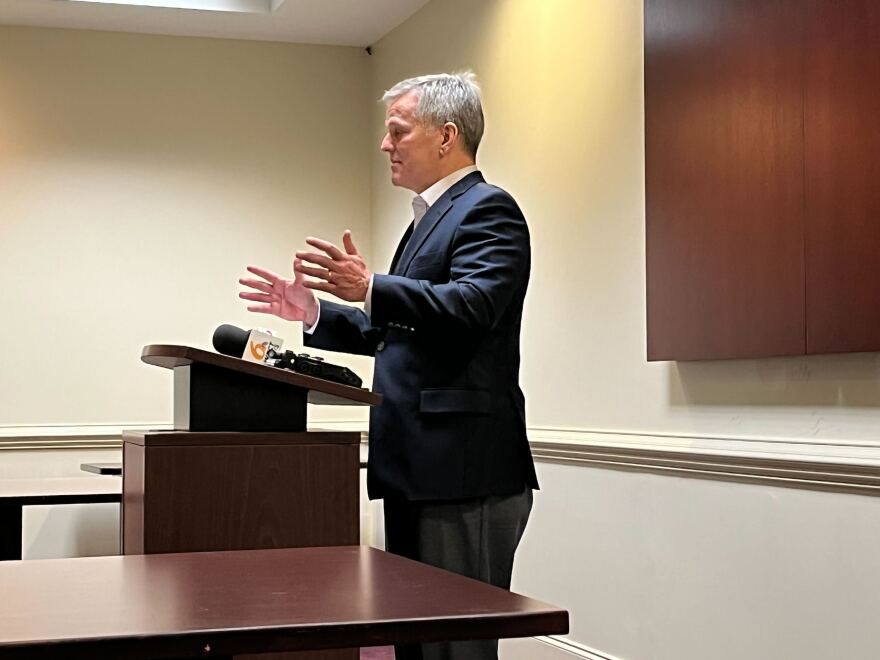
(239, 471)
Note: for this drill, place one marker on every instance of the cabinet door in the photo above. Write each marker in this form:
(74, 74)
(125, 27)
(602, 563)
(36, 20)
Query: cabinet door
(842, 138)
(724, 178)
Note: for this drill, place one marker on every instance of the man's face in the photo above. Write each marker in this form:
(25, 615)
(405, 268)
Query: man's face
(414, 148)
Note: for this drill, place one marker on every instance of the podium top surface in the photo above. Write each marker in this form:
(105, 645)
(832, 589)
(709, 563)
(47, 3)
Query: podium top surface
(142, 606)
(321, 391)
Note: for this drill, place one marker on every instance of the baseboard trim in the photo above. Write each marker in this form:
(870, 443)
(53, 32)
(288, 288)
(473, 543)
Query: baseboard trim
(575, 649)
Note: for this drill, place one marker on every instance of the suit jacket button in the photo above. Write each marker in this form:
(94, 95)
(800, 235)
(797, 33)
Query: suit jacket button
(380, 346)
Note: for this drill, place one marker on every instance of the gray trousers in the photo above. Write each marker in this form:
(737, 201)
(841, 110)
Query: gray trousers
(474, 537)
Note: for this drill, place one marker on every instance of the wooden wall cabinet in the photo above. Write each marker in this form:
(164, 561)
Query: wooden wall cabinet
(762, 157)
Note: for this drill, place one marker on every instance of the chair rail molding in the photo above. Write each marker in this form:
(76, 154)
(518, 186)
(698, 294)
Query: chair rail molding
(844, 466)
(108, 436)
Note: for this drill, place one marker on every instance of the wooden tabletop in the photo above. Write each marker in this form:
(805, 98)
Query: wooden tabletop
(222, 603)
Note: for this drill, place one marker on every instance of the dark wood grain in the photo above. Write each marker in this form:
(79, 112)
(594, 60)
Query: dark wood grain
(842, 134)
(162, 606)
(238, 491)
(724, 179)
(131, 515)
(320, 391)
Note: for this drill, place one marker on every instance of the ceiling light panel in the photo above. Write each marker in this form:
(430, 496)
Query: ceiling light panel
(247, 6)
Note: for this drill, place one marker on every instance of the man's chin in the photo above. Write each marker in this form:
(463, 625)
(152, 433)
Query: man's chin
(402, 182)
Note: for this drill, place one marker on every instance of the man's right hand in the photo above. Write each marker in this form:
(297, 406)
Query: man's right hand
(285, 298)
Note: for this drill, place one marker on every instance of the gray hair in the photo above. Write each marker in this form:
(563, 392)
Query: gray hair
(446, 97)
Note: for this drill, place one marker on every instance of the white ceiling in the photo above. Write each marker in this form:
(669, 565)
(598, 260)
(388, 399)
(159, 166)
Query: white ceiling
(334, 22)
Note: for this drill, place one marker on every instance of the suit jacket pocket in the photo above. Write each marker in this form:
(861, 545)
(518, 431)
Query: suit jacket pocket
(455, 401)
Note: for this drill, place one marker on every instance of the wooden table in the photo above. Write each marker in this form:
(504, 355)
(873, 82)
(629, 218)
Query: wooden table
(18, 493)
(217, 604)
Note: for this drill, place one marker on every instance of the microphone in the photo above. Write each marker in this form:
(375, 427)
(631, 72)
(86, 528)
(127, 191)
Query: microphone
(250, 345)
(260, 346)
(230, 340)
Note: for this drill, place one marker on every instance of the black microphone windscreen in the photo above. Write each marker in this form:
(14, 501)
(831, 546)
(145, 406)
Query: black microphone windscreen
(230, 340)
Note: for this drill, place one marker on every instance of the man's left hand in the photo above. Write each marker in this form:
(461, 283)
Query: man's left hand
(344, 274)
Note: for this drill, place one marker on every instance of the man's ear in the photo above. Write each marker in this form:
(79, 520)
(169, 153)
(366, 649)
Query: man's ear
(450, 137)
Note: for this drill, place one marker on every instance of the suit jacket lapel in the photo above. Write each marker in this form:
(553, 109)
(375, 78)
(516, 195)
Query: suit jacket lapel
(400, 246)
(432, 218)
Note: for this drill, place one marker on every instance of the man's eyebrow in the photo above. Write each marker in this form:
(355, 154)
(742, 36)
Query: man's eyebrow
(396, 120)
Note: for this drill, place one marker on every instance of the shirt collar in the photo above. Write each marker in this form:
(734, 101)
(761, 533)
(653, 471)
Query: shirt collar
(434, 192)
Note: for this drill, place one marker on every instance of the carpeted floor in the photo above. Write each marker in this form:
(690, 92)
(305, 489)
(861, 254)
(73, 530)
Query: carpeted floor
(377, 653)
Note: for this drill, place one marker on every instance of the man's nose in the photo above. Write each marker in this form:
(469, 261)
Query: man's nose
(386, 143)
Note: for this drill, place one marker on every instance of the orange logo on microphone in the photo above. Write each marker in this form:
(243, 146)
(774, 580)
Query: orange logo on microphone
(258, 350)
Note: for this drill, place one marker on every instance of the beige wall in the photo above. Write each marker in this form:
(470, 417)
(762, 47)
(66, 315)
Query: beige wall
(138, 175)
(563, 87)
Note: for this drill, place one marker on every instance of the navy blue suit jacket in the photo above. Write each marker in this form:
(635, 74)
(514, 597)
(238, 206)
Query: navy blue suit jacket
(444, 328)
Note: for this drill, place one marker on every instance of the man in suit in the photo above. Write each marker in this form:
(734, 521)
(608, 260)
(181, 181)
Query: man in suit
(448, 447)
